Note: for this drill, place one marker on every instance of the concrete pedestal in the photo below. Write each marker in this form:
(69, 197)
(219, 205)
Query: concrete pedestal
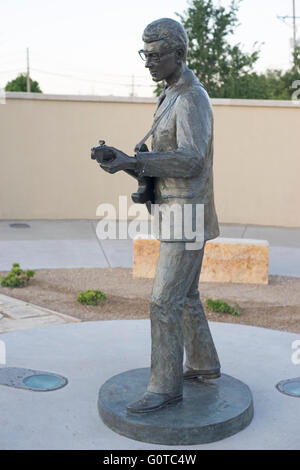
(211, 410)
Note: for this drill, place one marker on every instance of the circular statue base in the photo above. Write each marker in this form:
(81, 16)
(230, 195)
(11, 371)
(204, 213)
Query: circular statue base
(210, 410)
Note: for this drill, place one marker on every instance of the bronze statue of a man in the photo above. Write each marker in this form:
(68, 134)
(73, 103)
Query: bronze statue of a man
(181, 165)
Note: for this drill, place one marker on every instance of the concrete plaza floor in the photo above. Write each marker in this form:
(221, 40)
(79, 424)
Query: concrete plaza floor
(47, 244)
(89, 353)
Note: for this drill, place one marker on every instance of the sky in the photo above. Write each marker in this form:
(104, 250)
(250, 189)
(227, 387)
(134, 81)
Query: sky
(90, 46)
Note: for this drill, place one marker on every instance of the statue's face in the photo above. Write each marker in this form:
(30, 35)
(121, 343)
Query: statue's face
(160, 60)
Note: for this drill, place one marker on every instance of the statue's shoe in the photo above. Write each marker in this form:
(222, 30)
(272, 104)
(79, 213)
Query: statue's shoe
(152, 401)
(206, 374)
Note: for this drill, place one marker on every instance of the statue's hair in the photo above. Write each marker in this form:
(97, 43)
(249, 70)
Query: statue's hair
(169, 31)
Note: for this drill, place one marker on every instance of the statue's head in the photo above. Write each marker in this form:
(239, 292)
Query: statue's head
(165, 47)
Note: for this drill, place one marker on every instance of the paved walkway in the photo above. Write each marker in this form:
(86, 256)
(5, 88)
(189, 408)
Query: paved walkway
(74, 244)
(89, 353)
(18, 315)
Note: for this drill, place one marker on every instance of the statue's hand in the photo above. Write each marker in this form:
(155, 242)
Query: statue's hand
(120, 161)
(142, 148)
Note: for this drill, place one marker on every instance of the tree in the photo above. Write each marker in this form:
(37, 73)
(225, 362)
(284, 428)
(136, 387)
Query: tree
(217, 64)
(224, 69)
(19, 84)
(281, 85)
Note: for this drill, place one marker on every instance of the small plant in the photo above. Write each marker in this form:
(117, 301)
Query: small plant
(91, 297)
(17, 277)
(221, 306)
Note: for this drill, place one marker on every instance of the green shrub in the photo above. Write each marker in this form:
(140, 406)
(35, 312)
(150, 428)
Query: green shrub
(91, 297)
(220, 306)
(17, 277)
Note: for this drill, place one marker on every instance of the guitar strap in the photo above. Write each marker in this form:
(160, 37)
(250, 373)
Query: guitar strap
(155, 124)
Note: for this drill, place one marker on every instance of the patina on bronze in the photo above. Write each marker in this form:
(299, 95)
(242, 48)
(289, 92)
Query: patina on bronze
(145, 191)
(180, 166)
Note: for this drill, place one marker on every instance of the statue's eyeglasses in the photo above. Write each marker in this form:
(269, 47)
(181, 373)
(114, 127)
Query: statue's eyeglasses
(153, 56)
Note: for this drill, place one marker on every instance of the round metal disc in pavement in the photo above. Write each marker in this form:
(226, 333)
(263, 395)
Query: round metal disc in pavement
(29, 379)
(19, 225)
(290, 387)
(44, 382)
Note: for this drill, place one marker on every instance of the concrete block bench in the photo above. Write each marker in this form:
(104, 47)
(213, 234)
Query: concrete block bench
(236, 260)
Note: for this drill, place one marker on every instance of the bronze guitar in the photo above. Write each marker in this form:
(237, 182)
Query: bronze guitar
(145, 191)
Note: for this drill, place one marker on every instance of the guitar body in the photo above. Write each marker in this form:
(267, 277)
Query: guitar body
(145, 191)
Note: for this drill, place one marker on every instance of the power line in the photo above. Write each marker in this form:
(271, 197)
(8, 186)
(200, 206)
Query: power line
(11, 57)
(73, 77)
(133, 85)
(35, 54)
(10, 71)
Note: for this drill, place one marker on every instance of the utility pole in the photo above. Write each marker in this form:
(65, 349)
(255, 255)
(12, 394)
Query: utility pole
(294, 41)
(132, 86)
(293, 17)
(294, 24)
(28, 73)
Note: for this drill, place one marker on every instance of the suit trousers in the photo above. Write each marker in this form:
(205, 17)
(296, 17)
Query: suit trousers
(178, 320)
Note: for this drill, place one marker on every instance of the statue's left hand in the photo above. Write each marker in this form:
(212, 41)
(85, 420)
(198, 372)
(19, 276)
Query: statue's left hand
(121, 161)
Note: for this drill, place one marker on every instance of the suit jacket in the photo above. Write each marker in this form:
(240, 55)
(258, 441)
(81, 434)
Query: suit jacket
(181, 160)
